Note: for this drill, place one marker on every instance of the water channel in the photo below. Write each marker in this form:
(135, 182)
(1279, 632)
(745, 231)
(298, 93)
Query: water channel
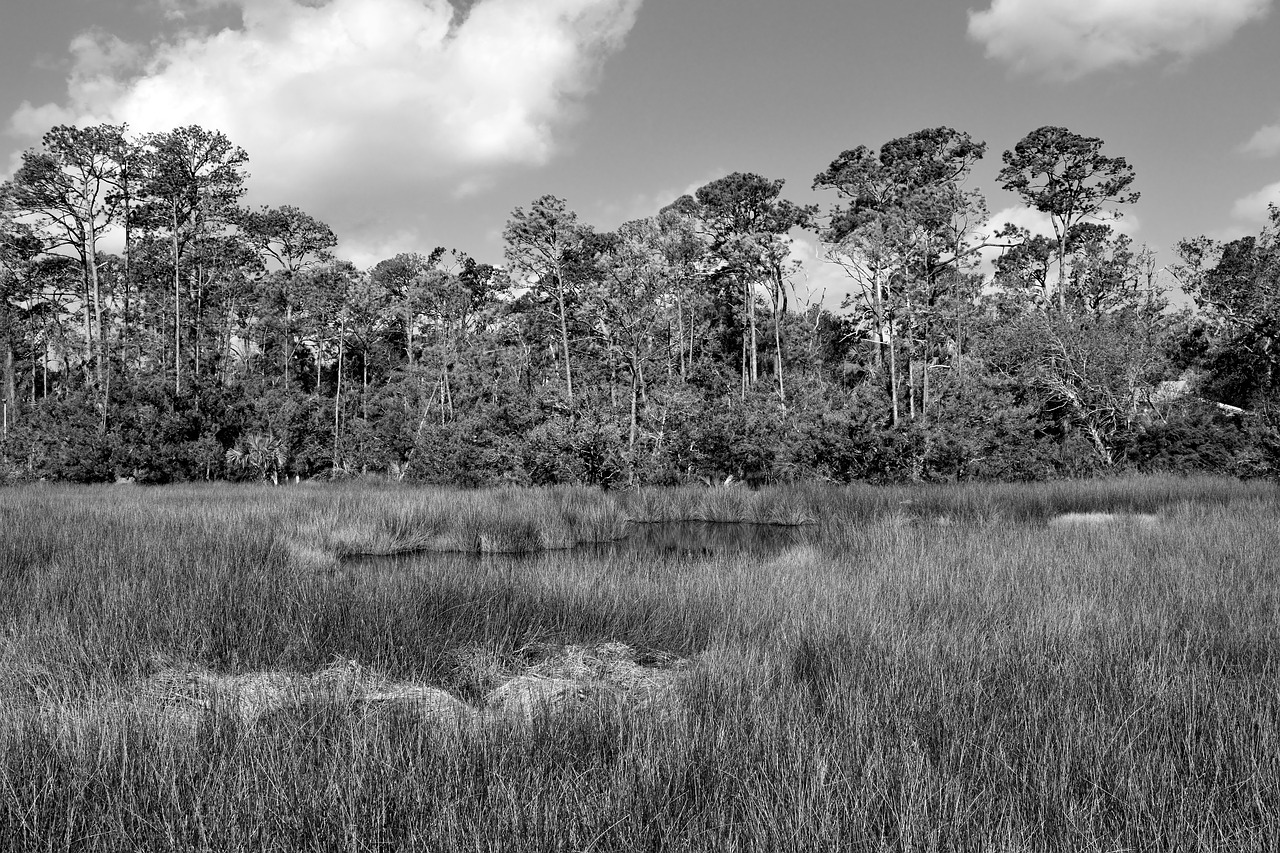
(670, 544)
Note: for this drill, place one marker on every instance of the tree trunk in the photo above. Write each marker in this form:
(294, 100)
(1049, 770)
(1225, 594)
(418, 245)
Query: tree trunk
(100, 367)
(126, 334)
(447, 386)
(667, 350)
(692, 332)
(1099, 444)
(924, 374)
(924, 390)
(337, 396)
(631, 437)
(635, 396)
(746, 375)
(177, 307)
(684, 373)
(89, 256)
(564, 334)
(893, 374)
(878, 310)
(198, 350)
(408, 336)
(1062, 269)
(86, 299)
(454, 339)
(911, 382)
(288, 339)
(611, 351)
(777, 345)
(226, 347)
(8, 382)
(441, 383)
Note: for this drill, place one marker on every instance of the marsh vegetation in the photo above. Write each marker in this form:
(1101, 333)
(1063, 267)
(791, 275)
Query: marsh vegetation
(921, 669)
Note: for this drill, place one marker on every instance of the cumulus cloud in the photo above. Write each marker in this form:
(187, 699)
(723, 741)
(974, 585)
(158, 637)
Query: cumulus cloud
(358, 110)
(611, 214)
(100, 63)
(1021, 216)
(1039, 223)
(184, 10)
(1265, 142)
(1036, 222)
(1067, 39)
(820, 282)
(1253, 207)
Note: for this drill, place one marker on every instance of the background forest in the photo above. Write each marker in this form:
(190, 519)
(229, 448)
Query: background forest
(222, 342)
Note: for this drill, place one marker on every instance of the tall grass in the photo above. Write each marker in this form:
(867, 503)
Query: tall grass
(894, 684)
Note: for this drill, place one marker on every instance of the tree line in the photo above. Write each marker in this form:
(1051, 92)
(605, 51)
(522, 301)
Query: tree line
(223, 341)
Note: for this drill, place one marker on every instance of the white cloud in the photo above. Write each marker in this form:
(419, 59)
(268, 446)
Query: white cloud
(1023, 217)
(1067, 39)
(182, 10)
(820, 281)
(1039, 223)
(1253, 207)
(642, 204)
(1019, 215)
(1265, 142)
(384, 243)
(31, 122)
(100, 65)
(359, 110)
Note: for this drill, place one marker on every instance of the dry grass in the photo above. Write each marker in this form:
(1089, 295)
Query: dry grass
(535, 681)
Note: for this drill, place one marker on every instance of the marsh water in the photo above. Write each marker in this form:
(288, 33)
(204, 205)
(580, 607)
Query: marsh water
(697, 539)
(667, 543)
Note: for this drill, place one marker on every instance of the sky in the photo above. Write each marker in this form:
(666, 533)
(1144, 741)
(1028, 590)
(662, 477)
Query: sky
(411, 124)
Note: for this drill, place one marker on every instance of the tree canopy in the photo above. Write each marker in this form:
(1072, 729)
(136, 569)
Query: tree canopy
(220, 341)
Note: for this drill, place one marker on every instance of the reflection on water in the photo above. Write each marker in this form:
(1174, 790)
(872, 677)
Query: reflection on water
(707, 539)
(675, 542)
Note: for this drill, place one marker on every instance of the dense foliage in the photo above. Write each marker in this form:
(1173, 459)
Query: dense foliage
(225, 342)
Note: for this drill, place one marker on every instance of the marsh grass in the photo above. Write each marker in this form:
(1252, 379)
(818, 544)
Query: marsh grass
(351, 520)
(890, 684)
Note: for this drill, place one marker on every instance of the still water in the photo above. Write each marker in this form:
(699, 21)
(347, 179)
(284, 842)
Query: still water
(669, 543)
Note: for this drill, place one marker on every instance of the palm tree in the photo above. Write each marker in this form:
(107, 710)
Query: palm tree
(262, 454)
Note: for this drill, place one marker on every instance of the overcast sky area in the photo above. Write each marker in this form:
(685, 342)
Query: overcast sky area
(408, 124)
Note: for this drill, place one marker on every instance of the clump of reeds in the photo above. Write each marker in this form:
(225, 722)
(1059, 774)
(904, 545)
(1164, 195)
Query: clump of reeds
(388, 520)
(734, 503)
